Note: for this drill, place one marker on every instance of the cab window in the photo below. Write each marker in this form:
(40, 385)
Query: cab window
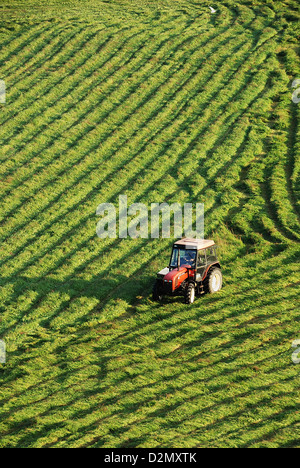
(211, 254)
(201, 257)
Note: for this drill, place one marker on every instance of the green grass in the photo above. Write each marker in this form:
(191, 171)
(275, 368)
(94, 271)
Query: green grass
(160, 101)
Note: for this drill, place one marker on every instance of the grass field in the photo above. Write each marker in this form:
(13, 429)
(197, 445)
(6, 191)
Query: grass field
(161, 101)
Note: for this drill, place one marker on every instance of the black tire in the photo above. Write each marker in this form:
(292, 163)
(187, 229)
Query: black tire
(156, 293)
(214, 280)
(190, 294)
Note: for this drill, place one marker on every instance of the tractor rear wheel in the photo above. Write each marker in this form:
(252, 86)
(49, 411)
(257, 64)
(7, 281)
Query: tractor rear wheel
(190, 294)
(214, 281)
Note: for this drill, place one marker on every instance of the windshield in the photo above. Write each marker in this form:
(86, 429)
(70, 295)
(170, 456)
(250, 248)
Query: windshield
(186, 257)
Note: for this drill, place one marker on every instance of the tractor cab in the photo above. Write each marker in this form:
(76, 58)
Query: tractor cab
(193, 270)
(182, 257)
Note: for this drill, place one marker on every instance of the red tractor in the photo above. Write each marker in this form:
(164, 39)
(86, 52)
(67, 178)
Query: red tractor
(194, 269)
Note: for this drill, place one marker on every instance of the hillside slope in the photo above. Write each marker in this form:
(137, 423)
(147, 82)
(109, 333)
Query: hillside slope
(163, 101)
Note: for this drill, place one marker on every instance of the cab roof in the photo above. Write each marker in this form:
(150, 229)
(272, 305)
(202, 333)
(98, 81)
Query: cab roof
(194, 243)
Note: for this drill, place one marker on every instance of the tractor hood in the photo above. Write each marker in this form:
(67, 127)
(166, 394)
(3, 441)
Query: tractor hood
(176, 277)
(176, 273)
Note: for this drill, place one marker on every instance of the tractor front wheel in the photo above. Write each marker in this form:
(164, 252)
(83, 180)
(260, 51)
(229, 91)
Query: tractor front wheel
(156, 293)
(190, 294)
